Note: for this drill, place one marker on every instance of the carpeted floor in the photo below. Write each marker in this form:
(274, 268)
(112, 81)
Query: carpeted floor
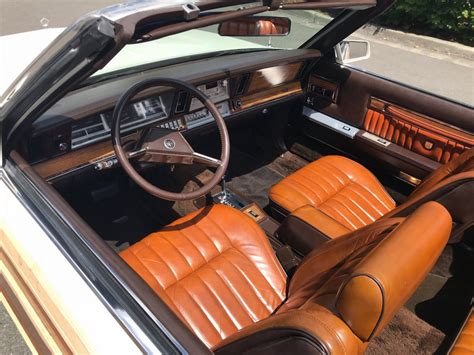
(406, 334)
(431, 318)
(250, 179)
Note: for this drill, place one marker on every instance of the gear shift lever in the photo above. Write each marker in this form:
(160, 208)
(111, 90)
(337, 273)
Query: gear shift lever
(228, 198)
(224, 189)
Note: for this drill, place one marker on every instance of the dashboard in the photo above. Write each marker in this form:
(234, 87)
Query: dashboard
(76, 133)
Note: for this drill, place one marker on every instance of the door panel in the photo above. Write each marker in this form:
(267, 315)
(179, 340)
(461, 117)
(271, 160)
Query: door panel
(408, 130)
(415, 132)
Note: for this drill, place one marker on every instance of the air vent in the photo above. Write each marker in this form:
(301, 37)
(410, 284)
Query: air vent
(181, 103)
(136, 115)
(90, 129)
(244, 79)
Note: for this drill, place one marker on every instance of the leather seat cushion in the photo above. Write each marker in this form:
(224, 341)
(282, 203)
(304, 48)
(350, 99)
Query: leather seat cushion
(214, 268)
(338, 187)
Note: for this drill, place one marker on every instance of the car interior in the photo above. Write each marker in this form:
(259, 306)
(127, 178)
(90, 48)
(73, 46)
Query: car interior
(276, 200)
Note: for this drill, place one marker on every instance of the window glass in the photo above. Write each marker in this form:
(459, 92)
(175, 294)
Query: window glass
(415, 49)
(304, 25)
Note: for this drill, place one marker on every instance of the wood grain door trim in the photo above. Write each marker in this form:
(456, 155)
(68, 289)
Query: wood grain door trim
(43, 335)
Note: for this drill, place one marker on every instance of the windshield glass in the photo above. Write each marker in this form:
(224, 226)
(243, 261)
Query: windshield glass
(304, 25)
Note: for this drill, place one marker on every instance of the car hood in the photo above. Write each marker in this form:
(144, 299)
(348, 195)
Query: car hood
(28, 45)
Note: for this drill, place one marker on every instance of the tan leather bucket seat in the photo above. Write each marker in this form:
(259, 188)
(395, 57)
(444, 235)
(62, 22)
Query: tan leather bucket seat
(217, 271)
(350, 194)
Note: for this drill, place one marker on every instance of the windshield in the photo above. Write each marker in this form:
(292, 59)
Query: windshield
(304, 25)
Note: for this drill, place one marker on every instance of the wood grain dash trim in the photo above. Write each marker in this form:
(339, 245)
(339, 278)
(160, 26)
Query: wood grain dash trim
(78, 158)
(270, 95)
(269, 77)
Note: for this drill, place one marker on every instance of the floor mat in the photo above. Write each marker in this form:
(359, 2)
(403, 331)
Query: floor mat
(249, 178)
(406, 334)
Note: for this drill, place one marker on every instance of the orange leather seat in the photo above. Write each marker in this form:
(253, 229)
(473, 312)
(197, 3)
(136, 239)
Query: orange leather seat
(217, 271)
(464, 343)
(351, 195)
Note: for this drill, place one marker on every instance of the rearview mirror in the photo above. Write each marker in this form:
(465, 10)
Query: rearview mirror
(256, 26)
(350, 51)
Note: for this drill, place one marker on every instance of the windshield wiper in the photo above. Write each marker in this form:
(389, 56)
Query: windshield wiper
(144, 67)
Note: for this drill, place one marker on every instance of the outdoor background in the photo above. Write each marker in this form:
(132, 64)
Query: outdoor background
(427, 44)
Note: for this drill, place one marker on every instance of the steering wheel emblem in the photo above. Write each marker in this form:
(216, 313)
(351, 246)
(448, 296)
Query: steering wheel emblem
(169, 144)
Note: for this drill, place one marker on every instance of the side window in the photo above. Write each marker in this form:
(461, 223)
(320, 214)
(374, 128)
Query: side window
(420, 43)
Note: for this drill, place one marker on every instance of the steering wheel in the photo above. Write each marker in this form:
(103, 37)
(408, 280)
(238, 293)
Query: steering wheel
(162, 145)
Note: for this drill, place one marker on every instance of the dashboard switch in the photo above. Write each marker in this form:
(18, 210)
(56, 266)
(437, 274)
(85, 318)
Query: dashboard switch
(62, 146)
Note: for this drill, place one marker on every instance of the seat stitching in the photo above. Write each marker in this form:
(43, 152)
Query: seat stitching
(159, 256)
(243, 306)
(221, 302)
(341, 173)
(342, 200)
(251, 284)
(189, 239)
(331, 330)
(310, 187)
(316, 173)
(208, 315)
(236, 295)
(207, 235)
(369, 202)
(147, 269)
(374, 179)
(299, 191)
(220, 229)
(335, 167)
(362, 209)
(178, 251)
(328, 209)
(268, 251)
(377, 198)
(331, 173)
(231, 243)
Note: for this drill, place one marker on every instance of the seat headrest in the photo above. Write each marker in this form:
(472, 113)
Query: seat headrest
(384, 280)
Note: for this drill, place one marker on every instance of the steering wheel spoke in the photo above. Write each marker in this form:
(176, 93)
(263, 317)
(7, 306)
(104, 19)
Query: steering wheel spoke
(136, 153)
(206, 160)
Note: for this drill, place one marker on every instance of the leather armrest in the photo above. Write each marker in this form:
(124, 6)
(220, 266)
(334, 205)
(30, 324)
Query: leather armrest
(307, 228)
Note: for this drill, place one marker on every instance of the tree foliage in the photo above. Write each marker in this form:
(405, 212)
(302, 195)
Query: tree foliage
(448, 19)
